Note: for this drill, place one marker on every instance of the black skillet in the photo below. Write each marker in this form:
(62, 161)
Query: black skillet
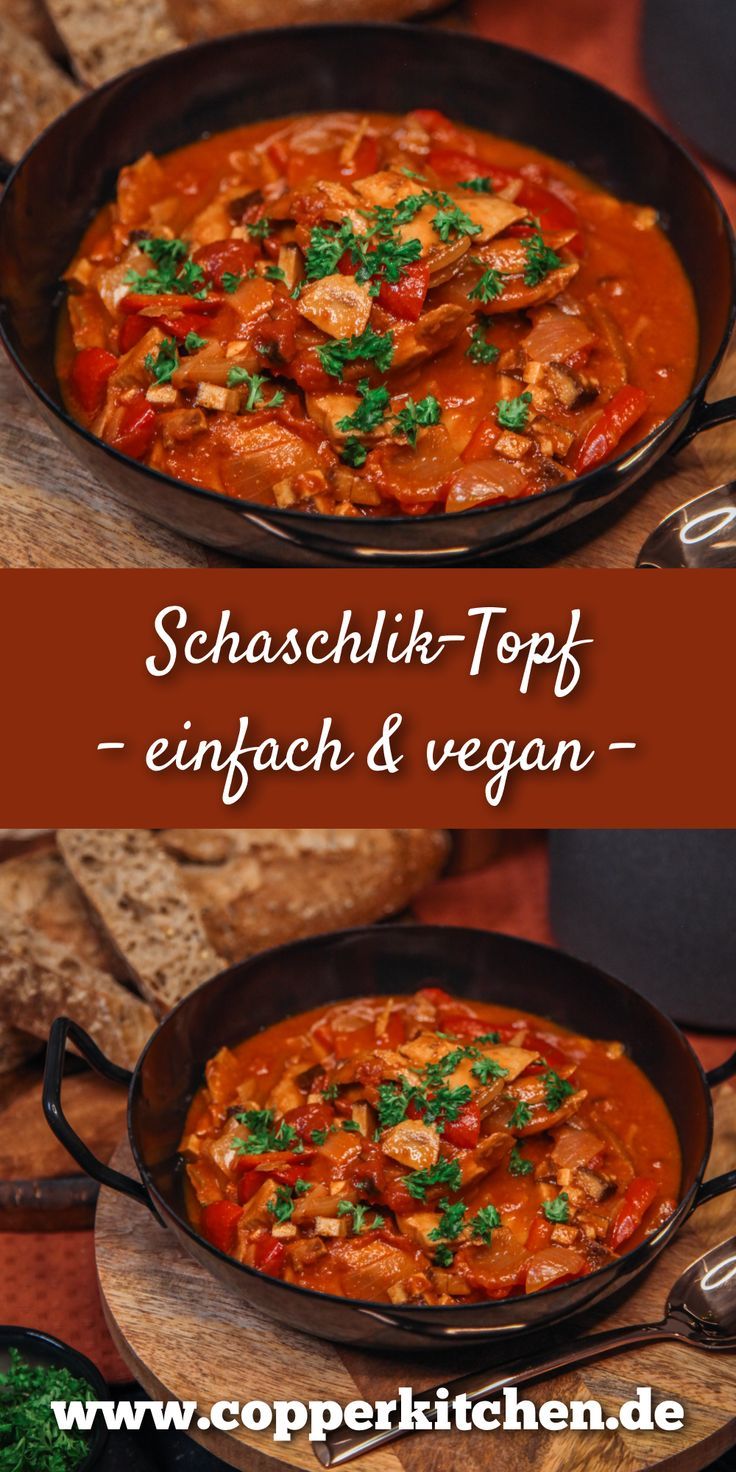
(390, 959)
(72, 169)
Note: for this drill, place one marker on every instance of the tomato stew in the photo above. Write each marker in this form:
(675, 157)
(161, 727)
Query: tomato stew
(425, 1150)
(365, 315)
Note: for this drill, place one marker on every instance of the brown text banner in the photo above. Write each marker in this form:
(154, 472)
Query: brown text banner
(462, 698)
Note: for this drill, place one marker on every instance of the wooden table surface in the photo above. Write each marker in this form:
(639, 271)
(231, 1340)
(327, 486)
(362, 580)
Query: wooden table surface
(53, 513)
(185, 1337)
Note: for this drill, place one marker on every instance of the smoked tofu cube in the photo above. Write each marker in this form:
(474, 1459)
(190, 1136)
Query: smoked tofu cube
(214, 396)
(284, 1231)
(162, 393)
(256, 1211)
(418, 1227)
(331, 1226)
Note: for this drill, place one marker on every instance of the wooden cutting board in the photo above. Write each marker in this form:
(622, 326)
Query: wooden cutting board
(184, 1337)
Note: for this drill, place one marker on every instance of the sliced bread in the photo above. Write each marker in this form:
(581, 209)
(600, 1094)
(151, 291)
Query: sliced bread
(109, 37)
(40, 980)
(38, 889)
(198, 19)
(33, 90)
(137, 894)
(260, 887)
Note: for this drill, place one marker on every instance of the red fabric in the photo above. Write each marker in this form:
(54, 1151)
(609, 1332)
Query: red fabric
(49, 1282)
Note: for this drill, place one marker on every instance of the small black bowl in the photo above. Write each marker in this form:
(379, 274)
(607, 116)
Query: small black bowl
(71, 170)
(388, 959)
(40, 1348)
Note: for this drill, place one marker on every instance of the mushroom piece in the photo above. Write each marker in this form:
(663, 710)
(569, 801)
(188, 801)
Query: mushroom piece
(434, 331)
(338, 305)
(412, 1143)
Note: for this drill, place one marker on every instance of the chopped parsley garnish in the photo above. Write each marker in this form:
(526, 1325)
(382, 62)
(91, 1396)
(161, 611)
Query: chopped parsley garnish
(318, 1136)
(556, 1090)
(414, 417)
(258, 229)
(375, 261)
(172, 270)
(230, 281)
(484, 1223)
(447, 1102)
(488, 1037)
(480, 349)
(452, 222)
(436, 1073)
(480, 184)
(518, 1166)
(421, 178)
(486, 1069)
(393, 1101)
(351, 1125)
(558, 1209)
(521, 1116)
(540, 259)
(254, 383)
(326, 247)
(450, 1224)
(29, 1435)
(490, 284)
(358, 1212)
(444, 1173)
(193, 342)
(370, 412)
(354, 453)
(444, 1256)
(513, 413)
(164, 363)
(262, 1137)
(330, 1092)
(369, 345)
(275, 273)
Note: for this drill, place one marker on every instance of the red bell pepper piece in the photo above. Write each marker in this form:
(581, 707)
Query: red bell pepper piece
(132, 329)
(638, 1198)
(90, 371)
(364, 160)
(540, 1234)
(219, 1223)
(615, 420)
(463, 1132)
(308, 1117)
(405, 297)
(170, 301)
(226, 257)
(136, 429)
(482, 441)
(270, 1255)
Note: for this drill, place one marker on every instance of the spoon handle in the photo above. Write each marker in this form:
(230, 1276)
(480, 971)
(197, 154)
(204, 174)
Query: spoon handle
(343, 1446)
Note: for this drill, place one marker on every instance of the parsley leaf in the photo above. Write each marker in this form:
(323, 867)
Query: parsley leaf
(354, 453)
(318, 1136)
(414, 417)
(521, 1116)
(350, 1125)
(444, 1256)
(540, 259)
(480, 184)
(393, 1101)
(484, 1223)
(29, 1435)
(513, 413)
(486, 1069)
(172, 270)
(489, 1037)
(254, 383)
(326, 247)
(358, 1212)
(444, 1173)
(447, 1102)
(258, 229)
(275, 273)
(480, 349)
(262, 1137)
(330, 1092)
(451, 222)
(518, 1166)
(282, 1204)
(556, 1090)
(488, 286)
(163, 364)
(374, 346)
(558, 1209)
(193, 342)
(450, 1224)
(230, 281)
(371, 412)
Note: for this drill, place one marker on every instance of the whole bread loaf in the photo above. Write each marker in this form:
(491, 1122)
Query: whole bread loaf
(136, 891)
(40, 980)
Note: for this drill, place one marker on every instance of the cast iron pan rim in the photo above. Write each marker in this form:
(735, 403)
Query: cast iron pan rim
(56, 1350)
(306, 519)
(636, 1258)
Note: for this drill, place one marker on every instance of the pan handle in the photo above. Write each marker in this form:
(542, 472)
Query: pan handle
(706, 416)
(719, 1185)
(62, 1029)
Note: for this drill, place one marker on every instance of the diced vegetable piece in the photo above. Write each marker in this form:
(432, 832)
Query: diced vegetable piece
(270, 1255)
(620, 415)
(136, 429)
(219, 1223)
(552, 1265)
(226, 258)
(638, 1198)
(464, 1131)
(406, 297)
(413, 1144)
(90, 371)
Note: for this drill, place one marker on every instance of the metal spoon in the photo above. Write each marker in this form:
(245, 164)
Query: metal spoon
(701, 1310)
(702, 533)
